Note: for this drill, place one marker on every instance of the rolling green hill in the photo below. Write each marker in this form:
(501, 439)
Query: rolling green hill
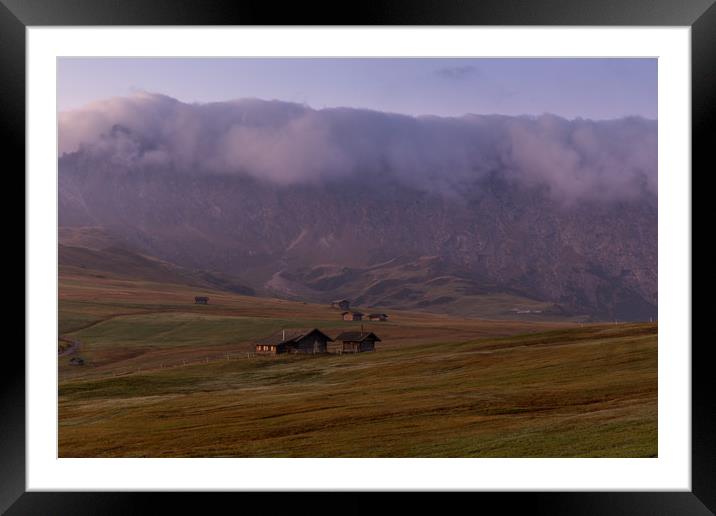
(117, 261)
(424, 284)
(164, 377)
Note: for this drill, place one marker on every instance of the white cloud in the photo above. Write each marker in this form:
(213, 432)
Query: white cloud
(289, 143)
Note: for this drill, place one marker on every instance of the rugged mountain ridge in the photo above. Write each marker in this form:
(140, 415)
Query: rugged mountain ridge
(370, 237)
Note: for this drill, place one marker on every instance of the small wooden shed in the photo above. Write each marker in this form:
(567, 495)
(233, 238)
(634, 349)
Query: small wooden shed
(297, 340)
(357, 341)
(352, 316)
(377, 317)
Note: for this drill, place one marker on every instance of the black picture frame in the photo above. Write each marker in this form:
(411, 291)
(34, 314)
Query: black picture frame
(700, 15)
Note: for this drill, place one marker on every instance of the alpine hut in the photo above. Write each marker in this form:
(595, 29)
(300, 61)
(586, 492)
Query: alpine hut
(298, 340)
(357, 341)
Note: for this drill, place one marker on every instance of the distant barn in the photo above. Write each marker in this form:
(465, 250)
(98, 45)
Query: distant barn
(357, 341)
(377, 317)
(201, 300)
(298, 340)
(352, 316)
(342, 304)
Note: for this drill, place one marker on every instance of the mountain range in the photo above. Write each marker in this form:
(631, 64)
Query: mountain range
(374, 237)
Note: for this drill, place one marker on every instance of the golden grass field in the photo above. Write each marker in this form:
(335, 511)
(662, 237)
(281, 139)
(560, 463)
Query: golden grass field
(166, 378)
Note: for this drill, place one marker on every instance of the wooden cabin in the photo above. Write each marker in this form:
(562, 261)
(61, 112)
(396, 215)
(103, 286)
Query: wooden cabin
(271, 348)
(342, 304)
(357, 341)
(298, 340)
(352, 316)
(377, 317)
(201, 300)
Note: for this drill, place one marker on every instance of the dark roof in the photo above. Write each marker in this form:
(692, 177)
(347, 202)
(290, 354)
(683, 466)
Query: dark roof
(377, 315)
(352, 312)
(291, 335)
(357, 336)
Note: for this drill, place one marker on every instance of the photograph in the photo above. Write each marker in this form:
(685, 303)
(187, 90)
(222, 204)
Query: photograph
(411, 249)
(357, 257)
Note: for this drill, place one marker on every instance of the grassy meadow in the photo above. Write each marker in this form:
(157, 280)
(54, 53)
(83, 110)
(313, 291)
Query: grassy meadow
(166, 378)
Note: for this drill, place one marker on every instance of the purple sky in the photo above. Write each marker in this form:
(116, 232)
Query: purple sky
(588, 88)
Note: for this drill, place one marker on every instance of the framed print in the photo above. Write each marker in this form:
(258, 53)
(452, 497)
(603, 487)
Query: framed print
(415, 249)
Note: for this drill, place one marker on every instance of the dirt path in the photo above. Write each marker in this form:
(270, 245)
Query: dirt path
(74, 347)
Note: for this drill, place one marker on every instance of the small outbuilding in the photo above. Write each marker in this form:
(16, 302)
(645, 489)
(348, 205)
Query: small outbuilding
(357, 341)
(352, 316)
(201, 300)
(297, 340)
(377, 317)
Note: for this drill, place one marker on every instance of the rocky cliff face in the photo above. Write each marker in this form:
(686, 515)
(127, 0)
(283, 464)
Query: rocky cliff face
(377, 239)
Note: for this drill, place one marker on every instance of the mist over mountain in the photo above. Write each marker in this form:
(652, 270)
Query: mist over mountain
(375, 206)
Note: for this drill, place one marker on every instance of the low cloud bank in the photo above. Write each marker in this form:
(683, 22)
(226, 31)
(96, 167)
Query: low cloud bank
(290, 143)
